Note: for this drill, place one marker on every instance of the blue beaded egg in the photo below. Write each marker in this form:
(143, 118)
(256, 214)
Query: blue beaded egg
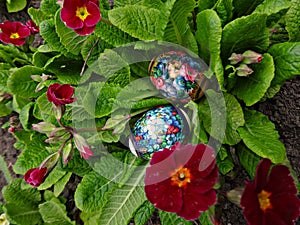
(158, 128)
(177, 75)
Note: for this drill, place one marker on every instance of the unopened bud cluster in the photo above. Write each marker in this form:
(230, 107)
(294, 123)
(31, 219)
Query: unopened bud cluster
(243, 61)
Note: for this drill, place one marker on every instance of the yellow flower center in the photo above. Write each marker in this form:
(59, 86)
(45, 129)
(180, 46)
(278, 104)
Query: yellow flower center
(181, 177)
(14, 35)
(82, 13)
(264, 201)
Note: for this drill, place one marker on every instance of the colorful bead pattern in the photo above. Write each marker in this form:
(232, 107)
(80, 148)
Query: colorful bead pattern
(157, 129)
(177, 76)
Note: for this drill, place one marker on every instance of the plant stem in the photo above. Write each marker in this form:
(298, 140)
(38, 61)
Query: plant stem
(104, 20)
(88, 56)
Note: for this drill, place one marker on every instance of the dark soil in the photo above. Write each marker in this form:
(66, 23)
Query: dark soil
(283, 110)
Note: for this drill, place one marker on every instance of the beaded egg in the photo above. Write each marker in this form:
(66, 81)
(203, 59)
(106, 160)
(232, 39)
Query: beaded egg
(158, 128)
(177, 75)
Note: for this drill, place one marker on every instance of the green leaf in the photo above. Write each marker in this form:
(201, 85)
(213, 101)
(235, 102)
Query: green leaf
(65, 69)
(124, 201)
(39, 59)
(248, 159)
(4, 74)
(292, 20)
(59, 186)
(24, 116)
(177, 25)
(21, 203)
(43, 108)
(31, 157)
(141, 22)
(224, 161)
(20, 82)
(5, 109)
(4, 170)
(286, 60)
(19, 102)
(205, 218)
(259, 135)
(242, 7)
(37, 15)
(225, 10)
(99, 99)
(15, 5)
(167, 218)
(252, 88)
(54, 176)
(241, 33)
(53, 212)
(49, 7)
(91, 195)
(270, 7)
(233, 119)
(208, 36)
(70, 40)
(143, 213)
(206, 4)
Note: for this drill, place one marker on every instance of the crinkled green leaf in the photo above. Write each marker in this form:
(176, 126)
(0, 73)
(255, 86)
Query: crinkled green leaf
(70, 40)
(60, 185)
(272, 6)
(20, 81)
(39, 59)
(248, 159)
(54, 176)
(19, 102)
(286, 60)
(143, 214)
(31, 157)
(15, 5)
(49, 7)
(5, 109)
(24, 116)
(292, 20)
(259, 135)
(252, 88)
(205, 218)
(139, 21)
(4, 74)
(124, 201)
(167, 218)
(37, 15)
(225, 10)
(4, 170)
(21, 203)
(177, 25)
(65, 69)
(53, 212)
(242, 7)
(224, 161)
(241, 34)
(13, 55)
(234, 118)
(208, 36)
(206, 4)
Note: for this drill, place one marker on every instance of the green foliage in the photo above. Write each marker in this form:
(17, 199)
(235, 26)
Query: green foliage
(260, 136)
(270, 7)
(225, 10)
(224, 161)
(171, 218)
(292, 20)
(143, 213)
(252, 88)
(15, 5)
(21, 203)
(4, 170)
(242, 7)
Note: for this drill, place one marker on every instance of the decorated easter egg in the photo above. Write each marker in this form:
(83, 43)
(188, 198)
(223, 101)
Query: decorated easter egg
(178, 76)
(158, 128)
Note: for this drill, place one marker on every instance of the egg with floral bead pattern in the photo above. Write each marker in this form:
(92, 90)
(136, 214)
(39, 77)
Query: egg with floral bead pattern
(178, 76)
(159, 128)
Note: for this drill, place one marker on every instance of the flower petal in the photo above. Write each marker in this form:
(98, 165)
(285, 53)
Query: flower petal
(65, 91)
(94, 16)
(70, 18)
(165, 196)
(204, 184)
(72, 4)
(261, 175)
(85, 30)
(194, 204)
(274, 219)
(280, 181)
(24, 31)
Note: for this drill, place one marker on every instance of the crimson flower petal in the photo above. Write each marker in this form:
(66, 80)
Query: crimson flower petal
(94, 16)
(274, 219)
(70, 18)
(60, 94)
(35, 176)
(262, 172)
(85, 30)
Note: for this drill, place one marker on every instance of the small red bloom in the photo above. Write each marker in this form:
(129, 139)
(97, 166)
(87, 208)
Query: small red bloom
(272, 198)
(34, 29)
(81, 15)
(181, 180)
(35, 176)
(14, 33)
(60, 94)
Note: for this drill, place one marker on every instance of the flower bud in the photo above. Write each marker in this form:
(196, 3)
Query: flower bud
(43, 127)
(235, 195)
(82, 146)
(68, 152)
(251, 57)
(243, 70)
(235, 58)
(35, 176)
(3, 219)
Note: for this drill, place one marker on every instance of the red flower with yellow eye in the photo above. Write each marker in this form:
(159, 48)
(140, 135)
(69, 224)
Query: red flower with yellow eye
(14, 33)
(60, 94)
(272, 198)
(81, 15)
(181, 180)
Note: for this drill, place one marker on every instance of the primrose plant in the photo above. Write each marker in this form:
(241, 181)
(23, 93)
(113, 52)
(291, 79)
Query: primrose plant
(150, 105)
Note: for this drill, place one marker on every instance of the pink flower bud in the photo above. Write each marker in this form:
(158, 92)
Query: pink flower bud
(243, 70)
(35, 176)
(82, 146)
(251, 57)
(43, 127)
(235, 58)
